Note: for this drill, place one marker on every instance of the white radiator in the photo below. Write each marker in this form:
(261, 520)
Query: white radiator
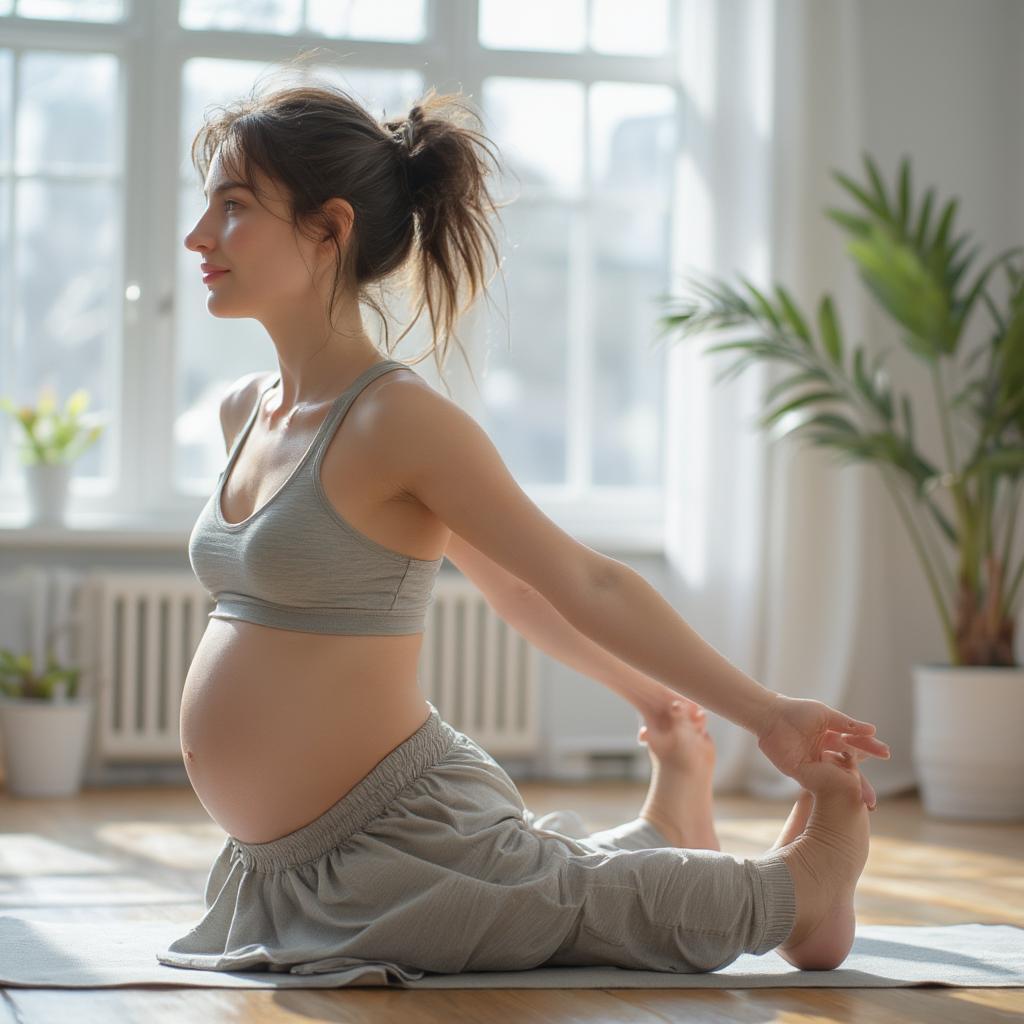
(137, 632)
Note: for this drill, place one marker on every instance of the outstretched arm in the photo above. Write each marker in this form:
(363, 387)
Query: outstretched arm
(538, 621)
(637, 625)
(441, 457)
(546, 628)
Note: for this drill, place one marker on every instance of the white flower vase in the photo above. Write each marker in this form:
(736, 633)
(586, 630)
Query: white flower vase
(47, 492)
(45, 745)
(968, 723)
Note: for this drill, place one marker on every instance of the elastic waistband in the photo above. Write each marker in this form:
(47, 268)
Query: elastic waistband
(427, 746)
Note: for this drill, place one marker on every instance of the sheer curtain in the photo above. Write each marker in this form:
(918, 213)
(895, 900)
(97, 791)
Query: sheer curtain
(768, 545)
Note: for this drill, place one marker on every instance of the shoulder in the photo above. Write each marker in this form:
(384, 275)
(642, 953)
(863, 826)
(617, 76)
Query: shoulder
(438, 454)
(238, 401)
(400, 409)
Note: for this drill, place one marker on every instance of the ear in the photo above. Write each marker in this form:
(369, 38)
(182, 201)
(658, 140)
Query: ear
(341, 212)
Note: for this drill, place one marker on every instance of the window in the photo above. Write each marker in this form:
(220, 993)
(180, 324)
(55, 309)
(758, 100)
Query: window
(99, 292)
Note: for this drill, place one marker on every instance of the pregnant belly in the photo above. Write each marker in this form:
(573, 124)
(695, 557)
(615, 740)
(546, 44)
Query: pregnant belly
(276, 725)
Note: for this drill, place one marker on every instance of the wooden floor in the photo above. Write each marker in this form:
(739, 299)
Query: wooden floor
(144, 853)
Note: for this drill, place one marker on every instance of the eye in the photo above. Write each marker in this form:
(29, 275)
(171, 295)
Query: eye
(232, 201)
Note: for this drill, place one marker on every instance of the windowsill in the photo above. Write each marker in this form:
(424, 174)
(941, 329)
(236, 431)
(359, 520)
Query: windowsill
(92, 531)
(103, 532)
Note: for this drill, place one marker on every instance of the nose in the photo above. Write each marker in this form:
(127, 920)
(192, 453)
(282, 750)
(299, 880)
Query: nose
(198, 238)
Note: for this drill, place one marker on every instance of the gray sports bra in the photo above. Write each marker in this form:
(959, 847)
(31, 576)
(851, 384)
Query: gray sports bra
(295, 563)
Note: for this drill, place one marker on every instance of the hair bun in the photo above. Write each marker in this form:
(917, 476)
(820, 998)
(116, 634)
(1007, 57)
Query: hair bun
(412, 125)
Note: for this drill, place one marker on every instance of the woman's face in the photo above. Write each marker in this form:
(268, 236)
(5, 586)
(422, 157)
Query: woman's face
(269, 264)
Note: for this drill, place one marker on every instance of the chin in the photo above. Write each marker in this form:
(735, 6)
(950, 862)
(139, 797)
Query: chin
(224, 312)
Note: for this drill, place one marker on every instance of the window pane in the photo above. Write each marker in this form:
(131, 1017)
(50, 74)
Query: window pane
(213, 352)
(384, 93)
(632, 135)
(61, 294)
(69, 114)
(397, 21)
(631, 266)
(524, 382)
(6, 108)
(205, 83)
(637, 28)
(391, 20)
(538, 127)
(70, 10)
(283, 17)
(67, 267)
(633, 132)
(533, 25)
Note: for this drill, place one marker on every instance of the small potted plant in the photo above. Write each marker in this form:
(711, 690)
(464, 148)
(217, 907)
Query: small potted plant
(44, 726)
(51, 442)
(969, 712)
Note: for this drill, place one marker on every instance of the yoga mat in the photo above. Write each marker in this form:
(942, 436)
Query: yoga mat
(56, 954)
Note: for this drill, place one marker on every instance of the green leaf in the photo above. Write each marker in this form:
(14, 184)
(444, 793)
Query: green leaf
(763, 304)
(905, 288)
(947, 218)
(831, 419)
(904, 207)
(812, 376)
(879, 210)
(1000, 461)
(761, 345)
(829, 330)
(857, 225)
(796, 403)
(922, 222)
(876, 181)
(792, 314)
(859, 378)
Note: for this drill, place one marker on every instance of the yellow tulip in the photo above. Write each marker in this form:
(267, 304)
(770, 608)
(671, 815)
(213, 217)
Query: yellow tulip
(77, 403)
(47, 401)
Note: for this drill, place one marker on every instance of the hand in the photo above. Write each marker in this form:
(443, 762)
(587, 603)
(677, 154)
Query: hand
(795, 732)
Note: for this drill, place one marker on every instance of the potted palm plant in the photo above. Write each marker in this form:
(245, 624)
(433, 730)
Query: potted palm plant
(44, 725)
(969, 709)
(52, 441)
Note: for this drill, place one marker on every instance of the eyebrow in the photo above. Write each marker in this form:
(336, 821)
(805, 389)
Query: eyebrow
(225, 185)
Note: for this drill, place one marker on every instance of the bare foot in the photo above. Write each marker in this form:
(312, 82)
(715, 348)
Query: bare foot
(826, 861)
(679, 800)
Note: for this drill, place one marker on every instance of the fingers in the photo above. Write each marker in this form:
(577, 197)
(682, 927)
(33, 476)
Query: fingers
(844, 723)
(868, 746)
(871, 746)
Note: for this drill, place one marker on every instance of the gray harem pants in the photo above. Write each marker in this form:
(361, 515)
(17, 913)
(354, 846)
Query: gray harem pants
(432, 863)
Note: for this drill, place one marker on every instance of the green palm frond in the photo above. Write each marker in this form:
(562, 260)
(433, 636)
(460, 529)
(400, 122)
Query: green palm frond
(917, 269)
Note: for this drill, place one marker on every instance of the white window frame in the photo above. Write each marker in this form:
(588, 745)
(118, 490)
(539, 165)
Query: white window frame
(144, 508)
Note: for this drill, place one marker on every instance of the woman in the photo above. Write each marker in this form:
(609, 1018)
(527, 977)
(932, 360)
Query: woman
(362, 828)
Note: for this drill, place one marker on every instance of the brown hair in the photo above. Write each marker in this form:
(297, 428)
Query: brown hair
(416, 185)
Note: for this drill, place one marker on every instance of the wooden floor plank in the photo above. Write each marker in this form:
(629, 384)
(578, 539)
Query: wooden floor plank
(122, 854)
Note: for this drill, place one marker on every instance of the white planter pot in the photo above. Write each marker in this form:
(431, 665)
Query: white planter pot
(47, 492)
(44, 745)
(968, 749)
